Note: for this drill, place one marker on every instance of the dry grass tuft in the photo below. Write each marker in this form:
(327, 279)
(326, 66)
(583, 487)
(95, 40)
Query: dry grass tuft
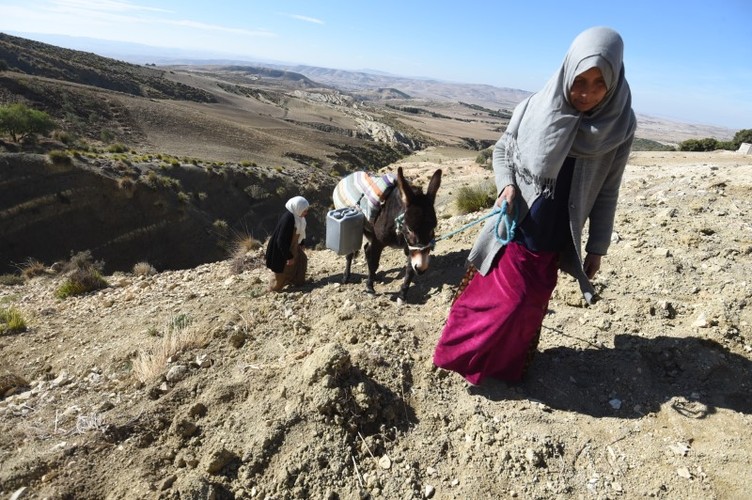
(471, 199)
(179, 336)
(144, 269)
(243, 256)
(32, 268)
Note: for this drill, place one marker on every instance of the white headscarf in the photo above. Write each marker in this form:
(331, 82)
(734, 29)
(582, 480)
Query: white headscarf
(296, 206)
(545, 128)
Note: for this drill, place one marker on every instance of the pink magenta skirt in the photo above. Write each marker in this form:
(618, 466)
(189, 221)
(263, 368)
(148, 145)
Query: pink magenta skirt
(496, 318)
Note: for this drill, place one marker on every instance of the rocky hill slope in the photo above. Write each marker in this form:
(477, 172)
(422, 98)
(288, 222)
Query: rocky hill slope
(197, 383)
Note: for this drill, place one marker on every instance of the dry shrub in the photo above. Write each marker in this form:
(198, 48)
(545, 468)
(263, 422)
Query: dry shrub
(242, 259)
(126, 184)
(245, 243)
(144, 269)
(32, 268)
(11, 280)
(179, 336)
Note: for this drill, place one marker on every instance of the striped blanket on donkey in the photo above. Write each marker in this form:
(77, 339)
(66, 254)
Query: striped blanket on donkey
(363, 191)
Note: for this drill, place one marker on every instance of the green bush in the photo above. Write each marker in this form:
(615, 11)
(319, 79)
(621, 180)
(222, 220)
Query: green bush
(59, 157)
(83, 276)
(80, 282)
(710, 144)
(474, 198)
(485, 158)
(744, 135)
(640, 144)
(11, 321)
(21, 122)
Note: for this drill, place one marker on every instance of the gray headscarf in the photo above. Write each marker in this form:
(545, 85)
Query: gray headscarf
(545, 128)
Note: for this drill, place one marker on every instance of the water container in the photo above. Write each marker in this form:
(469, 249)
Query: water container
(344, 230)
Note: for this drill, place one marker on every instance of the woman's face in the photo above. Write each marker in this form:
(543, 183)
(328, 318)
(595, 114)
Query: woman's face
(588, 90)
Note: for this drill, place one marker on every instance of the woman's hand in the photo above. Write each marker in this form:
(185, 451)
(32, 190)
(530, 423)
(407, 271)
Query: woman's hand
(290, 262)
(507, 194)
(591, 265)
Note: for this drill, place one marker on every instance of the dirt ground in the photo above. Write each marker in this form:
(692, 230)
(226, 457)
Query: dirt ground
(199, 384)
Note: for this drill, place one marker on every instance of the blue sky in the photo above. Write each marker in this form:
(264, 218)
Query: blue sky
(689, 61)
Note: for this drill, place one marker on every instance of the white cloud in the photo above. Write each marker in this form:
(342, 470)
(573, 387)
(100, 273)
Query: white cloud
(305, 18)
(103, 5)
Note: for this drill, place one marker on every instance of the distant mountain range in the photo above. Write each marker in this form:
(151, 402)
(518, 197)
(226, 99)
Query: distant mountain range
(487, 96)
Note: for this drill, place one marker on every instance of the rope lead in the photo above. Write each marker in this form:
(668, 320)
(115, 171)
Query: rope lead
(510, 224)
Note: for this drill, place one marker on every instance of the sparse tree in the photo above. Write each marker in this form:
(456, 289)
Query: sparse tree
(744, 135)
(19, 121)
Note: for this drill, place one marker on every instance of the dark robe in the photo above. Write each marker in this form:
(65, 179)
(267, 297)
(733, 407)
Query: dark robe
(278, 249)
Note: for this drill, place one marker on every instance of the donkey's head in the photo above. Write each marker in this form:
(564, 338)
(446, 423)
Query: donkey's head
(419, 222)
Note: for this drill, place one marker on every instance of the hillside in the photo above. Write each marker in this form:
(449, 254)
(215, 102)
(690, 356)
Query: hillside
(200, 145)
(153, 172)
(196, 383)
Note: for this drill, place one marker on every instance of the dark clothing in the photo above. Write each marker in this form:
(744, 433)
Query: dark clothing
(546, 226)
(278, 250)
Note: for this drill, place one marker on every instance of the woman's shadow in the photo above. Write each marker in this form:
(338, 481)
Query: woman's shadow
(695, 376)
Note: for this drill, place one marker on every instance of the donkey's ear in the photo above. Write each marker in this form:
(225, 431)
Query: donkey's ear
(433, 185)
(406, 191)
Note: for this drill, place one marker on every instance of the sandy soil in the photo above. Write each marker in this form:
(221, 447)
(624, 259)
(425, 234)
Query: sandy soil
(199, 384)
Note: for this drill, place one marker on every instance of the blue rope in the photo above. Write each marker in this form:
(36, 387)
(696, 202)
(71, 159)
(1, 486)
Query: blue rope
(510, 223)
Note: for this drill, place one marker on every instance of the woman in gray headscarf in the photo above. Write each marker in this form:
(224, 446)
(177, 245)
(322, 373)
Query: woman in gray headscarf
(285, 255)
(558, 165)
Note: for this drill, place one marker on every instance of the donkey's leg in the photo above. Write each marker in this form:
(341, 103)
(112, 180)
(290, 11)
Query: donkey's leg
(348, 265)
(373, 256)
(409, 275)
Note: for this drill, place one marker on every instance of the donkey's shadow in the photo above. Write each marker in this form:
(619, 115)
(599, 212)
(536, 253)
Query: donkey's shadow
(696, 376)
(445, 270)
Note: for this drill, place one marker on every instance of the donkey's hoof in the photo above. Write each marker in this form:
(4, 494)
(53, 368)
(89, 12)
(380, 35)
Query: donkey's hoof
(370, 290)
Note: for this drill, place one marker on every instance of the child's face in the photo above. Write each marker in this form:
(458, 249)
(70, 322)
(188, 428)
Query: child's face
(588, 90)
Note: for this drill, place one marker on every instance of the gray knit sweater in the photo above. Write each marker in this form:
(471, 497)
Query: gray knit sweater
(593, 197)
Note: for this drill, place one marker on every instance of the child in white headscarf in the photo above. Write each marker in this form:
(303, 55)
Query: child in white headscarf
(285, 255)
(558, 165)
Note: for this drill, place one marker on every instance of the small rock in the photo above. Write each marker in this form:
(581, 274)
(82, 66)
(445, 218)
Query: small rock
(701, 321)
(385, 462)
(684, 472)
(203, 361)
(168, 482)
(185, 428)
(176, 373)
(615, 403)
(429, 491)
(680, 449)
(19, 493)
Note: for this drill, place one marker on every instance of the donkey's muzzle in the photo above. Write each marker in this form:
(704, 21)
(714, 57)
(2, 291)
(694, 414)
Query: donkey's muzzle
(419, 261)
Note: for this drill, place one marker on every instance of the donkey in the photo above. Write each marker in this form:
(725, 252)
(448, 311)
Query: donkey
(407, 220)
